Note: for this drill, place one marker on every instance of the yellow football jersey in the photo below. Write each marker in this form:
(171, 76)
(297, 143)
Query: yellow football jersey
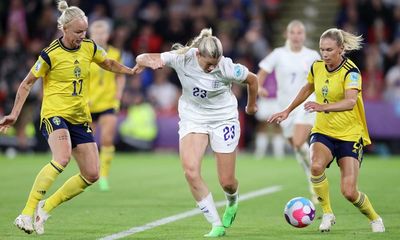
(103, 86)
(330, 87)
(65, 73)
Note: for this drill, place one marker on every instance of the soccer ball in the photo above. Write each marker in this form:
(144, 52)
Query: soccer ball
(299, 212)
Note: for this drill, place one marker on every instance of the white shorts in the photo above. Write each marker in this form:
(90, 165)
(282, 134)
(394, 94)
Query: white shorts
(297, 116)
(266, 107)
(223, 136)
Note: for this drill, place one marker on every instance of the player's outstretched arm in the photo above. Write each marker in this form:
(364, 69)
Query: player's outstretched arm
(262, 75)
(151, 60)
(252, 90)
(346, 104)
(303, 94)
(116, 67)
(22, 93)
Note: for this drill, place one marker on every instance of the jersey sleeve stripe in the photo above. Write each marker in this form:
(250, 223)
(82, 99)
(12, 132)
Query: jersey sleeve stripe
(95, 48)
(51, 48)
(352, 70)
(348, 65)
(45, 57)
(312, 69)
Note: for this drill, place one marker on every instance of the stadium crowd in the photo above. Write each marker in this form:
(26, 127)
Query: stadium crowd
(244, 27)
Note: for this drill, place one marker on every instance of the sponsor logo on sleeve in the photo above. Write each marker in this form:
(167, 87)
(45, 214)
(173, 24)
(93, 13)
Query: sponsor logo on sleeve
(38, 65)
(103, 52)
(354, 78)
(238, 71)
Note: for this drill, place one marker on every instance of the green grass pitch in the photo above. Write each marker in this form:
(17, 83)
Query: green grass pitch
(149, 187)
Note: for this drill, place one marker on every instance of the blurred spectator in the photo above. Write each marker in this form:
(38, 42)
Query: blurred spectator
(163, 94)
(147, 40)
(120, 39)
(16, 20)
(373, 76)
(46, 26)
(348, 19)
(100, 10)
(372, 9)
(392, 92)
(139, 128)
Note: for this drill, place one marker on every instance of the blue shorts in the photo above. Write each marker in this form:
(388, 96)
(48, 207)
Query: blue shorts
(96, 116)
(80, 133)
(340, 148)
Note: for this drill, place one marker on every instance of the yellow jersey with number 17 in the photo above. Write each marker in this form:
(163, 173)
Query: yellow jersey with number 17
(65, 73)
(103, 86)
(330, 87)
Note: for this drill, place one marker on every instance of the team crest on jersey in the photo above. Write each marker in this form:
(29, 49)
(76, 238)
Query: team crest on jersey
(38, 65)
(56, 120)
(238, 71)
(216, 84)
(77, 72)
(325, 91)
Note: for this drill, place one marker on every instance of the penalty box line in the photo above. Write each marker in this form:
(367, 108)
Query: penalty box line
(190, 213)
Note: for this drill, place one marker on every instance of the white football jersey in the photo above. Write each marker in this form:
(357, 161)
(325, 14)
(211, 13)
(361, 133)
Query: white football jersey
(291, 69)
(206, 97)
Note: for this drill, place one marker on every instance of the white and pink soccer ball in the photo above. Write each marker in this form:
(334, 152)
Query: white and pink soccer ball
(299, 212)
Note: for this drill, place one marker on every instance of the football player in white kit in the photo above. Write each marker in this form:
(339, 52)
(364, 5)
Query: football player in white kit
(291, 64)
(208, 115)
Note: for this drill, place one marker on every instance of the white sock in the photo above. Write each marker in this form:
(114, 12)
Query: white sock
(232, 198)
(303, 158)
(305, 153)
(261, 145)
(207, 206)
(278, 145)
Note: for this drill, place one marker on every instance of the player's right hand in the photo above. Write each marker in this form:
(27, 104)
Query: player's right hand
(6, 122)
(278, 117)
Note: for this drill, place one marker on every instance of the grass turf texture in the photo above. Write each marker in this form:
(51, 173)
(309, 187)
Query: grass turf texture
(148, 187)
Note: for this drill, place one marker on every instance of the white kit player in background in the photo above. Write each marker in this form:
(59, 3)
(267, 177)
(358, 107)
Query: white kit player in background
(208, 116)
(291, 64)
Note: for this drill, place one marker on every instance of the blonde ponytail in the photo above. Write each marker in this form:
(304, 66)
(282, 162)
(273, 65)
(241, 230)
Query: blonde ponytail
(62, 6)
(344, 39)
(68, 13)
(207, 44)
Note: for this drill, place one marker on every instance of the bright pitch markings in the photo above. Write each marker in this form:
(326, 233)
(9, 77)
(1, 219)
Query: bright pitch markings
(196, 211)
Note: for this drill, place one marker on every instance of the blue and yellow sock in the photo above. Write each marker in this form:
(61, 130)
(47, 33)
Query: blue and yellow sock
(321, 188)
(43, 182)
(364, 205)
(71, 188)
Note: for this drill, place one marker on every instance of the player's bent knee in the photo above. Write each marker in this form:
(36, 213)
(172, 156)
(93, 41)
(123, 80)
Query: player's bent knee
(192, 175)
(317, 168)
(91, 177)
(62, 160)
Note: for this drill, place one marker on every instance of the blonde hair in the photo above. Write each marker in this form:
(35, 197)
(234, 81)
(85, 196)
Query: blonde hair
(294, 23)
(344, 39)
(207, 44)
(101, 23)
(68, 14)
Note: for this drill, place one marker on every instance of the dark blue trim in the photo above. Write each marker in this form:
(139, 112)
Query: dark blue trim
(352, 70)
(45, 57)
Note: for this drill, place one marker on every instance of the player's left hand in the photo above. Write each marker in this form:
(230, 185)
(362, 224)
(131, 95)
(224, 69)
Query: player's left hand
(313, 107)
(137, 69)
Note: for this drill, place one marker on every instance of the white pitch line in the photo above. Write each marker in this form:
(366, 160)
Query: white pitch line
(196, 211)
